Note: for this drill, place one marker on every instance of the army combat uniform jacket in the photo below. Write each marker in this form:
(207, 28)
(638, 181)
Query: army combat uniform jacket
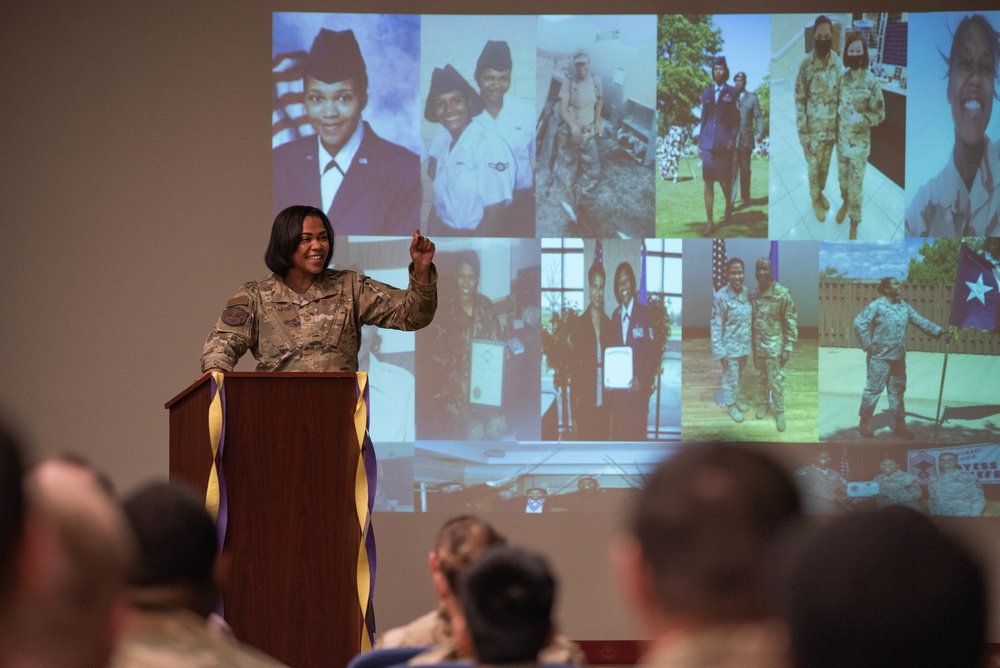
(817, 93)
(885, 323)
(898, 488)
(956, 492)
(775, 322)
(730, 327)
(861, 92)
(316, 331)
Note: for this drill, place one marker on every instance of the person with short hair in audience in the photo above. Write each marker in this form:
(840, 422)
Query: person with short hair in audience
(507, 598)
(173, 589)
(68, 601)
(694, 564)
(885, 589)
(460, 542)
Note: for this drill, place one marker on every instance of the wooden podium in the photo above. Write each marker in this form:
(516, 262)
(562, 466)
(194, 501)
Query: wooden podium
(289, 462)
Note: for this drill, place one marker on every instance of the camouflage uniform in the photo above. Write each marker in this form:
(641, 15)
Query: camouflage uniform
(861, 92)
(945, 207)
(817, 90)
(434, 629)
(899, 488)
(885, 323)
(585, 158)
(749, 645)
(316, 331)
(775, 330)
(956, 492)
(823, 490)
(176, 637)
(731, 318)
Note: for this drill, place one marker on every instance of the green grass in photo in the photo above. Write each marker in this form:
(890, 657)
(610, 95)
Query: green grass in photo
(680, 206)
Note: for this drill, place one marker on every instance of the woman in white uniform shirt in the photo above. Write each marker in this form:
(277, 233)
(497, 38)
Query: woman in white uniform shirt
(473, 168)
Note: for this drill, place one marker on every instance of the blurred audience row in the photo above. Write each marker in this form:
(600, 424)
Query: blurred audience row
(716, 565)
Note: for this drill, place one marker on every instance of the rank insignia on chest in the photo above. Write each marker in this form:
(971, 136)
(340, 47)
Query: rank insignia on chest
(638, 332)
(499, 166)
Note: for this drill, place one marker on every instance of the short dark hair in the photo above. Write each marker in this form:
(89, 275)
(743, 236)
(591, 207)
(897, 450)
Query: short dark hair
(460, 541)
(507, 597)
(286, 234)
(820, 20)
(469, 257)
(883, 285)
(885, 589)
(992, 39)
(175, 534)
(596, 269)
(703, 523)
(625, 268)
(734, 260)
(855, 36)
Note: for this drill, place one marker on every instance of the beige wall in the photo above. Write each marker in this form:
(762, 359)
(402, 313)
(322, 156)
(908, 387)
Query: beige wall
(135, 194)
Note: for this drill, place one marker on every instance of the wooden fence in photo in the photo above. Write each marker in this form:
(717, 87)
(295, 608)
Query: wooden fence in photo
(841, 302)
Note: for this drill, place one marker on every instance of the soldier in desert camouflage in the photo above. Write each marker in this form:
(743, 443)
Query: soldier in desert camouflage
(730, 330)
(895, 487)
(305, 317)
(775, 331)
(817, 92)
(954, 491)
(861, 107)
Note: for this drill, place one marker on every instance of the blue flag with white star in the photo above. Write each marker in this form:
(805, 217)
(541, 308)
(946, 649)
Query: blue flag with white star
(976, 301)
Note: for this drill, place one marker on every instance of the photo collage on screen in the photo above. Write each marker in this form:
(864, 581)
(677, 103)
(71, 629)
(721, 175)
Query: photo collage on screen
(654, 231)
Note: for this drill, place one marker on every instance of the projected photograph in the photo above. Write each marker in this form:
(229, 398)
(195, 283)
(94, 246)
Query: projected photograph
(596, 131)
(839, 88)
(750, 340)
(611, 312)
(478, 361)
(713, 98)
(530, 478)
(386, 354)
(478, 88)
(394, 489)
(885, 310)
(957, 481)
(344, 134)
(953, 167)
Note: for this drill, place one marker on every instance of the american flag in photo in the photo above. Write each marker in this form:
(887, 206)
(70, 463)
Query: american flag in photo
(288, 114)
(845, 464)
(719, 274)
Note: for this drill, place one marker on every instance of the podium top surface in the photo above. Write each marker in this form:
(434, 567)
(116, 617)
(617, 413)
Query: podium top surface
(206, 377)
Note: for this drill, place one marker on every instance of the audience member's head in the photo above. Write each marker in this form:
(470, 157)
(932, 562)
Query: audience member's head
(885, 589)
(507, 597)
(68, 602)
(177, 545)
(699, 536)
(460, 541)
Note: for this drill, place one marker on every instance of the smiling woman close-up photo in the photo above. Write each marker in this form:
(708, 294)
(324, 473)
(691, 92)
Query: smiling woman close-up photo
(964, 198)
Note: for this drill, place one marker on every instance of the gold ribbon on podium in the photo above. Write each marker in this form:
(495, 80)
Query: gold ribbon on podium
(215, 437)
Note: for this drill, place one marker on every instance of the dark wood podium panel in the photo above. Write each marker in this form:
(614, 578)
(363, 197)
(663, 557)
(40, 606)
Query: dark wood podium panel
(289, 462)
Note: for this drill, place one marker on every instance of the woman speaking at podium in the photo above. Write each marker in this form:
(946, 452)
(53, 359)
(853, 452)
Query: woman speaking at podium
(305, 317)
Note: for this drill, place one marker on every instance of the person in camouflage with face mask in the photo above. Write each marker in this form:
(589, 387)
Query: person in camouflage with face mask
(305, 317)
(861, 107)
(775, 331)
(817, 92)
